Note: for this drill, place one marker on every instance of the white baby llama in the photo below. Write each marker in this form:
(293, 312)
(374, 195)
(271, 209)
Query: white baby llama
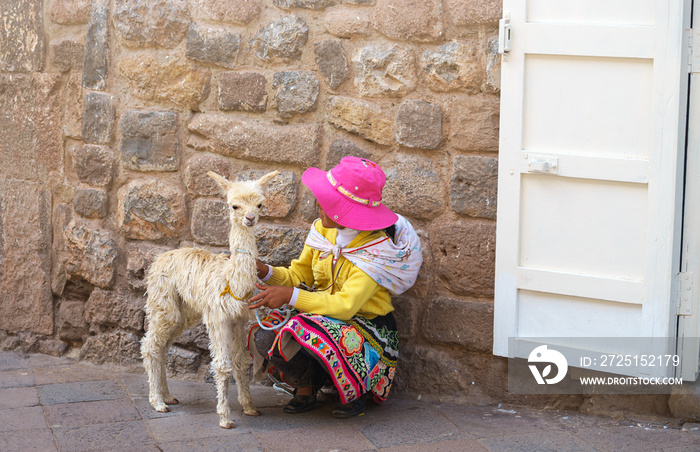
(188, 284)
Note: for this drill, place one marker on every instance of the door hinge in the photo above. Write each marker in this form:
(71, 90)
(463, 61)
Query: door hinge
(684, 294)
(504, 33)
(693, 37)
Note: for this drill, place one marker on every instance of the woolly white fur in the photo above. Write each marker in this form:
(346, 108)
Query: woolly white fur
(186, 285)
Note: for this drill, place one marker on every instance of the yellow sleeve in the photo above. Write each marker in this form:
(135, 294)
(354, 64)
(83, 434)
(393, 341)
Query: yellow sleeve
(344, 304)
(299, 271)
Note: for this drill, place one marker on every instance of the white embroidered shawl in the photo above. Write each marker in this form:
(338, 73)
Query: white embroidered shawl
(392, 265)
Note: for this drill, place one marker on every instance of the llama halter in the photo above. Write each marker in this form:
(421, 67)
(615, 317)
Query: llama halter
(227, 290)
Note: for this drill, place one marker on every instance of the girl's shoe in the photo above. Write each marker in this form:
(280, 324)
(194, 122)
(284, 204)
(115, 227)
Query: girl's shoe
(300, 404)
(350, 409)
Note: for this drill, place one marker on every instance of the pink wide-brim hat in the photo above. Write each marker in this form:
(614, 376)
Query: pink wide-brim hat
(351, 194)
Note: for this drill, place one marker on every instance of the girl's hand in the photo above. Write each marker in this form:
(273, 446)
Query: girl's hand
(261, 269)
(271, 297)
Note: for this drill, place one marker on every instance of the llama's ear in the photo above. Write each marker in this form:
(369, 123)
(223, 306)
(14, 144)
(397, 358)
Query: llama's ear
(267, 178)
(224, 183)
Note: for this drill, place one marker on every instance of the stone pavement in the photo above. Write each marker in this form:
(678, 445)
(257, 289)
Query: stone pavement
(49, 404)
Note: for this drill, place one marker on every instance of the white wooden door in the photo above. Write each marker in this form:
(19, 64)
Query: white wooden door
(689, 296)
(590, 172)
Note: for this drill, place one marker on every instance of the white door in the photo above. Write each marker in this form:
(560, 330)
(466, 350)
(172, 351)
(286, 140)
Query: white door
(689, 296)
(590, 173)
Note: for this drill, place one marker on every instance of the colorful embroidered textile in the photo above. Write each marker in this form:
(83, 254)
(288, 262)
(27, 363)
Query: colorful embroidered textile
(392, 265)
(360, 355)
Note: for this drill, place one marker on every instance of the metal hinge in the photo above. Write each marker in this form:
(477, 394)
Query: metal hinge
(693, 39)
(684, 297)
(504, 33)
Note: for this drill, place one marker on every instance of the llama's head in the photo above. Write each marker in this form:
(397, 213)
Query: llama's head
(244, 198)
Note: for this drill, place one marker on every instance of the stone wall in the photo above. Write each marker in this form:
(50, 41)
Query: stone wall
(114, 110)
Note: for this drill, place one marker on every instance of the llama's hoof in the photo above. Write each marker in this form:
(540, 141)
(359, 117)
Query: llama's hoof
(162, 409)
(227, 424)
(252, 412)
(171, 401)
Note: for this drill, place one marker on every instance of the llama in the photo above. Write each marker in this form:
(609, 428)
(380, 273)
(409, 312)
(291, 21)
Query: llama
(188, 284)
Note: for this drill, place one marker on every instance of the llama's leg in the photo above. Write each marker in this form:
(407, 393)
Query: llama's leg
(164, 321)
(153, 352)
(220, 340)
(241, 364)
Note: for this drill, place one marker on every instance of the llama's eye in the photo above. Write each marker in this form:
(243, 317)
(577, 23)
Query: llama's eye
(259, 206)
(234, 207)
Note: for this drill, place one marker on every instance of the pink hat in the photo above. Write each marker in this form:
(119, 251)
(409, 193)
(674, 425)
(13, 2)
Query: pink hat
(351, 194)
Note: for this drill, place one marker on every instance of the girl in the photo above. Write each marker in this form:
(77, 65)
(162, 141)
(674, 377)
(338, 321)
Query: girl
(356, 254)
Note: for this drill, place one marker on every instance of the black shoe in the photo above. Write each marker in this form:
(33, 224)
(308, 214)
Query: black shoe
(300, 404)
(350, 409)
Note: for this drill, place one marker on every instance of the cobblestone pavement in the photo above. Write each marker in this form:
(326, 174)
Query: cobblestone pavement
(49, 404)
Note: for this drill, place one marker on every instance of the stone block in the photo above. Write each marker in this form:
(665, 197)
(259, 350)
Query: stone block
(212, 45)
(297, 92)
(31, 142)
(405, 312)
(139, 258)
(474, 123)
(409, 20)
(278, 245)
(685, 403)
(231, 11)
(67, 54)
(119, 348)
(361, 118)
(243, 91)
(454, 66)
(195, 176)
(91, 202)
(340, 148)
(413, 186)
(280, 193)
(181, 360)
(384, 70)
(282, 39)
(96, 60)
(150, 140)
(195, 336)
(347, 22)
(22, 47)
(73, 109)
(168, 79)
(306, 4)
(110, 309)
(156, 23)
(94, 165)
(474, 184)
(99, 116)
(70, 12)
(473, 12)
(332, 62)
(52, 347)
(210, 222)
(151, 209)
(464, 254)
(419, 124)
(296, 143)
(307, 205)
(25, 257)
(465, 323)
(493, 67)
(423, 364)
(71, 320)
(91, 253)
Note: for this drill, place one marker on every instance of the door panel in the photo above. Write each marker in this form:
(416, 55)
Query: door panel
(590, 171)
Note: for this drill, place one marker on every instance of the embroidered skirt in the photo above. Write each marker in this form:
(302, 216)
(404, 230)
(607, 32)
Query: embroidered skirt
(360, 355)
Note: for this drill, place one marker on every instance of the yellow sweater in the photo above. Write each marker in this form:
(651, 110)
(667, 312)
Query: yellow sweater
(354, 292)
